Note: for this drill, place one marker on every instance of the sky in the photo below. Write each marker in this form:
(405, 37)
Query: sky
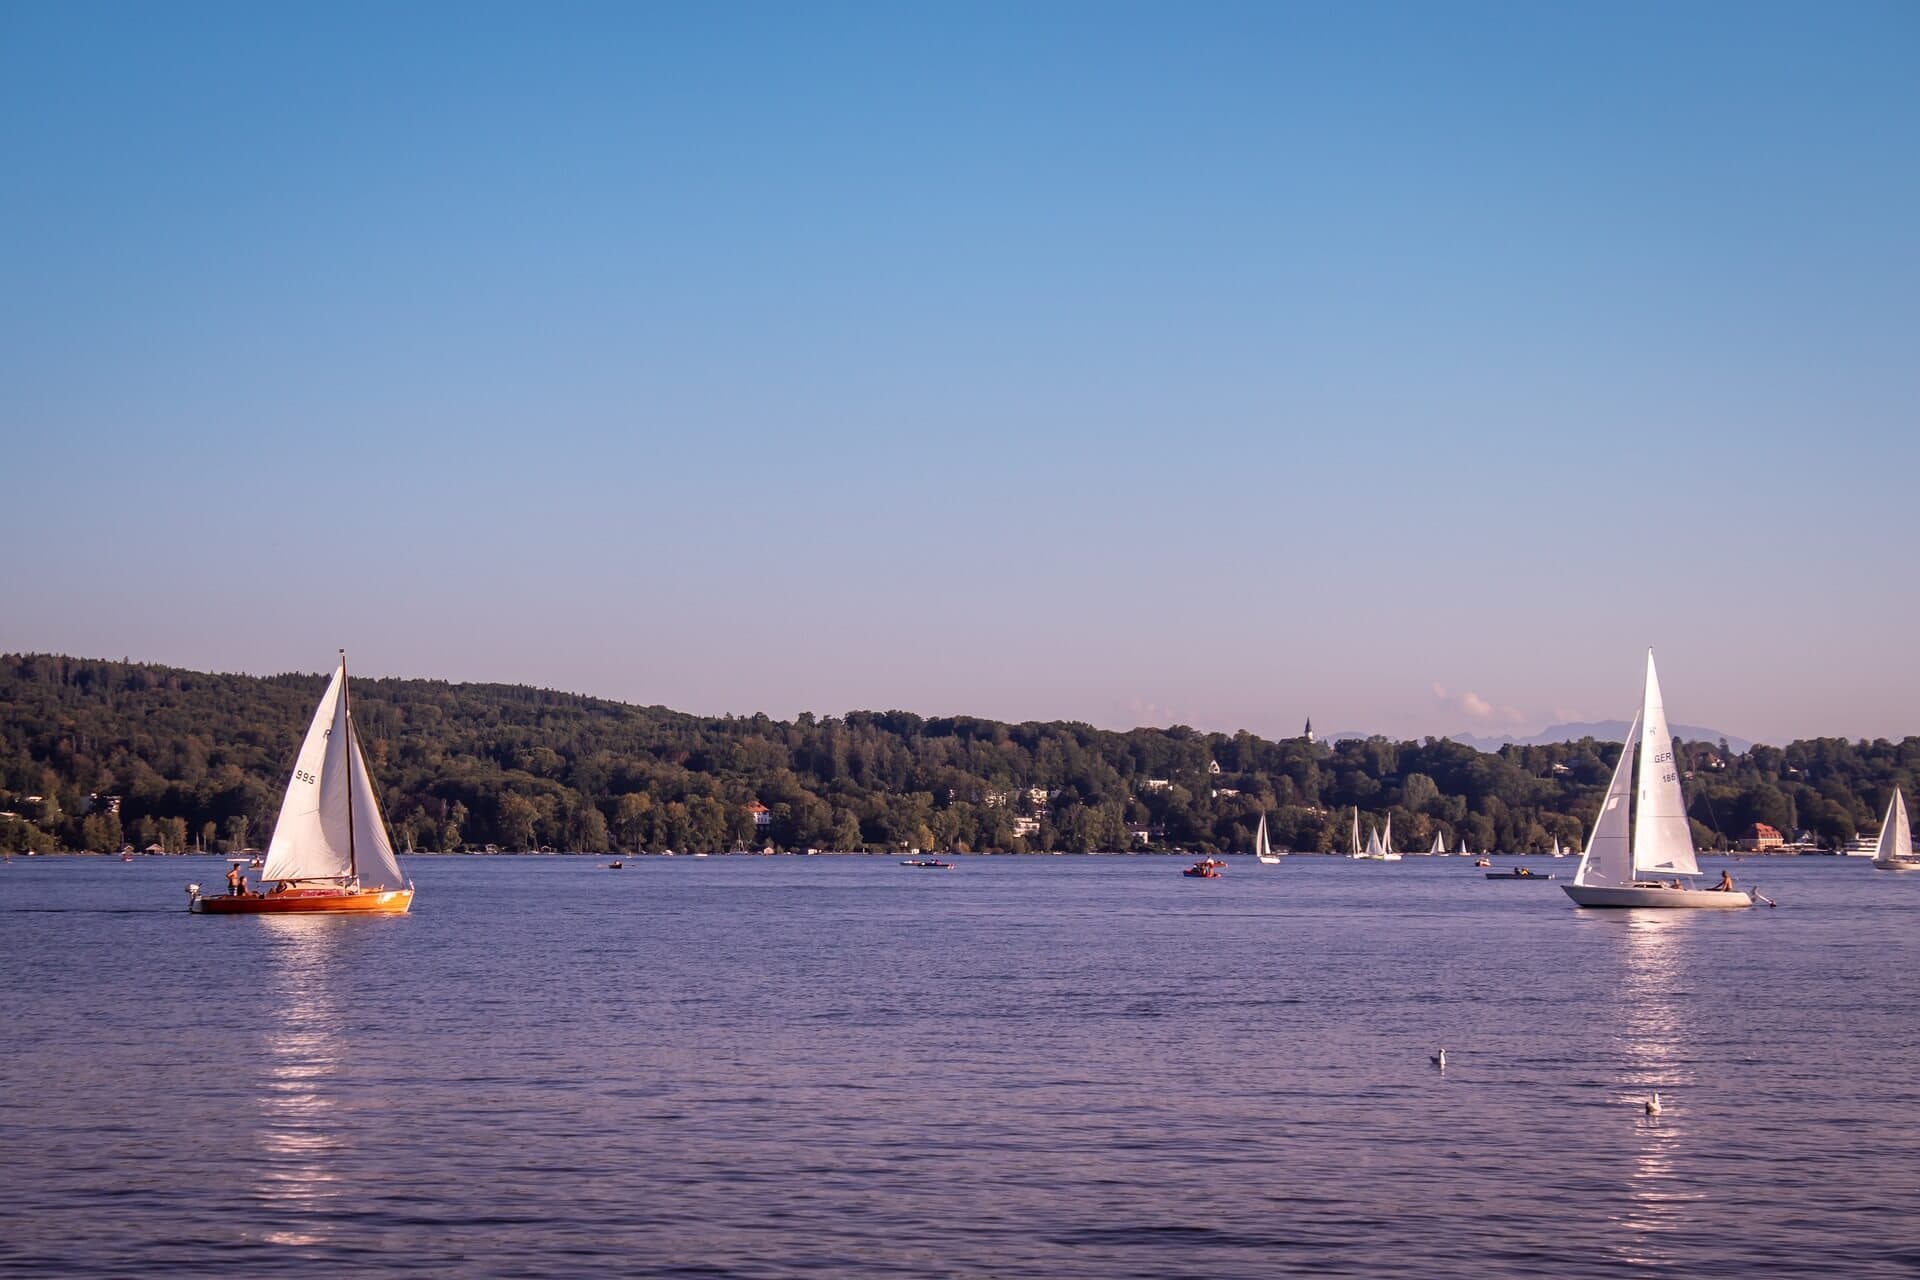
(1412, 367)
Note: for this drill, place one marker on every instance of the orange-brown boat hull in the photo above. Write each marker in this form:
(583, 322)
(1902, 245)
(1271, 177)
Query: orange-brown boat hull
(378, 902)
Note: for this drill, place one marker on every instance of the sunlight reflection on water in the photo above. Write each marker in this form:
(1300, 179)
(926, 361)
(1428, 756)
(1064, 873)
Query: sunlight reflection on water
(1020, 1068)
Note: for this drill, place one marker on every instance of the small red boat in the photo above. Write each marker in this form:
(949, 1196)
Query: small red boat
(1205, 870)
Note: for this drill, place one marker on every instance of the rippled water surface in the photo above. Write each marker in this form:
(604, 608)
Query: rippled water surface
(1023, 1067)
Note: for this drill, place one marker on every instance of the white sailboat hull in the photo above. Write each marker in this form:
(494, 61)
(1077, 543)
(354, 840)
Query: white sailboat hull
(1271, 859)
(1897, 864)
(1593, 895)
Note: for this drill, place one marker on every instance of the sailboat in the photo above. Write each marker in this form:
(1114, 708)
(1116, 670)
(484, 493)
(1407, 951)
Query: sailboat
(1626, 866)
(1379, 850)
(330, 850)
(1895, 850)
(1558, 852)
(1353, 849)
(1262, 847)
(1439, 849)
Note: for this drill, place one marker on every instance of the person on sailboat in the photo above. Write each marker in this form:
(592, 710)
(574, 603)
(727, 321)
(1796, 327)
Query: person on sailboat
(1726, 881)
(236, 883)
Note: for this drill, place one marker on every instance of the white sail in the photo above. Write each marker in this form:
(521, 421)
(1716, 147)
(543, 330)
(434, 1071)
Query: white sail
(1608, 859)
(1261, 848)
(1662, 840)
(330, 826)
(1896, 837)
(1355, 850)
(373, 856)
(1462, 851)
(1386, 845)
(1374, 848)
(1439, 846)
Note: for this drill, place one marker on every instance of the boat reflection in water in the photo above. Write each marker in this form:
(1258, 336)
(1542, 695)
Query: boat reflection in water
(302, 1129)
(1653, 1039)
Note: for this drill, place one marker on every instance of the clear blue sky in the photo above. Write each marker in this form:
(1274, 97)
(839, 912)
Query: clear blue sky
(1409, 366)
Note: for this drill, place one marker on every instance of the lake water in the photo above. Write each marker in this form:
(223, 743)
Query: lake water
(1039, 1067)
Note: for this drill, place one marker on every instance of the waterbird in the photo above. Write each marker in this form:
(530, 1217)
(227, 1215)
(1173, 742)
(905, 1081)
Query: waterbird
(1653, 1105)
(1438, 1059)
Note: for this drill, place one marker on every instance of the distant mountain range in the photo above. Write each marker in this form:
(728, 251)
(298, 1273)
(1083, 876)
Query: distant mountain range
(1605, 730)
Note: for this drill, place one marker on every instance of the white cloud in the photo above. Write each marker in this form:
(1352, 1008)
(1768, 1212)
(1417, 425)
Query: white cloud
(1481, 711)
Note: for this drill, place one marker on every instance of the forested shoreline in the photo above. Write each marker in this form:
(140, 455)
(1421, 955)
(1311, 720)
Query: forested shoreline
(98, 754)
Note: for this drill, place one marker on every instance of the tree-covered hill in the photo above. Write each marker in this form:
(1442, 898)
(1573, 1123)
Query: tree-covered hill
(94, 754)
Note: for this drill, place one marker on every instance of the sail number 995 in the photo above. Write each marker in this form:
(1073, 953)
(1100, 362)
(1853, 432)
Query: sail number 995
(301, 775)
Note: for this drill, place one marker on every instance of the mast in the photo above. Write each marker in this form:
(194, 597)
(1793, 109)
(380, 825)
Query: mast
(353, 869)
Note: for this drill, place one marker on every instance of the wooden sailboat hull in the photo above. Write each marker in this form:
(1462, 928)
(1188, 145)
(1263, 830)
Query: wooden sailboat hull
(1593, 895)
(378, 902)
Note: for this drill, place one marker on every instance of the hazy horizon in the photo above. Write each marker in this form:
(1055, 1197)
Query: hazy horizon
(1321, 729)
(1409, 367)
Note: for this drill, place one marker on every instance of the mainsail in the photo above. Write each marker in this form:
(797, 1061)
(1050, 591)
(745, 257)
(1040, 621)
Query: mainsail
(1662, 840)
(1896, 837)
(330, 825)
(1356, 831)
(1608, 859)
(1439, 846)
(1261, 848)
(1374, 848)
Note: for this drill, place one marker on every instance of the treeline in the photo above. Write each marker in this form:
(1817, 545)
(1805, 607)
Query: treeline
(97, 755)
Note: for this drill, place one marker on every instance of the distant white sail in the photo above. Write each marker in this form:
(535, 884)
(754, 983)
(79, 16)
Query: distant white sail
(1261, 849)
(1387, 844)
(330, 825)
(1374, 848)
(1355, 850)
(1662, 840)
(1896, 836)
(1608, 859)
(1439, 846)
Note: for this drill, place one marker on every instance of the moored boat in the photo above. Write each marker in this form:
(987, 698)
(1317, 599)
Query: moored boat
(1628, 866)
(927, 862)
(330, 850)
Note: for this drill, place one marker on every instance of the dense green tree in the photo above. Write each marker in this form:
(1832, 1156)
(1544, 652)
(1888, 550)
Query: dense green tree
(468, 765)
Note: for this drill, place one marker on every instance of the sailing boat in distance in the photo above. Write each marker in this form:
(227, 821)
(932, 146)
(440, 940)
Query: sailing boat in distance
(1262, 847)
(1626, 866)
(1895, 850)
(330, 851)
(1379, 850)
